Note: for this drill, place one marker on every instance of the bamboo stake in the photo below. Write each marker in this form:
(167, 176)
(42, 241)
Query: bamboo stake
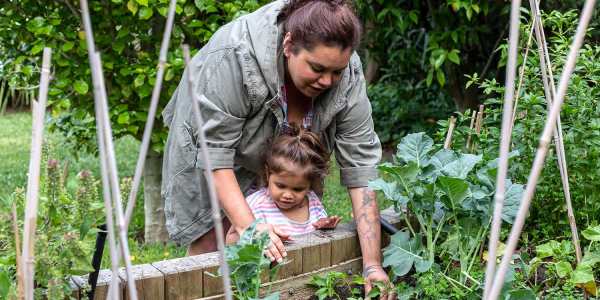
(546, 66)
(478, 125)
(107, 157)
(479, 122)
(542, 150)
(471, 129)
(114, 180)
(20, 290)
(162, 61)
(521, 76)
(511, 67)
(216, 211)
(33, 180)
(451, 125)
(98, 86)
(114, 254)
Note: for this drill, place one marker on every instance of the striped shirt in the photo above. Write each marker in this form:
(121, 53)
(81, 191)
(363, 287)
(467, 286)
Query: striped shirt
(263, 207)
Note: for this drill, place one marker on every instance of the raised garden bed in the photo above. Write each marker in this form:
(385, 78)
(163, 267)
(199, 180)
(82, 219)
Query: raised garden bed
(186, 278)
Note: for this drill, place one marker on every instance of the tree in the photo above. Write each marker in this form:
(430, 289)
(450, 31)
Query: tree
(128, 35)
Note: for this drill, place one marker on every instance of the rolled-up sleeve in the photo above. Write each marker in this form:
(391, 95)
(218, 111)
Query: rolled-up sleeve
(357, 147)
(218, 85)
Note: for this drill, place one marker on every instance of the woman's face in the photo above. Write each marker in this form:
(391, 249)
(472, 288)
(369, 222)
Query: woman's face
(315, 71)
(288, 189)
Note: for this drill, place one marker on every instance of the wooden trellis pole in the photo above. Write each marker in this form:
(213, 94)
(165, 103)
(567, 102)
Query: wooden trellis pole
(33, 179)
(550, 93)
(162, 61)
(114, 254)
(473, 115)
(451, 125)
(107, 157)
(214, 203)
(542, 150)
(511, 67)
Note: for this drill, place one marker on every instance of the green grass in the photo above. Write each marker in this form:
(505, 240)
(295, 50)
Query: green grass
(336, 199)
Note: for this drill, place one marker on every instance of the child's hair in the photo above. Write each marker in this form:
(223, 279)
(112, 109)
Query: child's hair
(303, 148)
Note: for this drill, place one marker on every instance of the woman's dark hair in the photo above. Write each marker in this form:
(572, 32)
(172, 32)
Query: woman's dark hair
(314, 22)
(303, 148)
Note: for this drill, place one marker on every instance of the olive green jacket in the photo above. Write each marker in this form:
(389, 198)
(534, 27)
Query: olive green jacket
(239, 73)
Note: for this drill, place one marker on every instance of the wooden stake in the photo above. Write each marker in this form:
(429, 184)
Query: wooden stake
(33, 180)
(20, 294)
(108, 162)
(478, 125)
(162, 61)
(511, 67)
(468, 146)
(548, 80)
(542, 150)
(451, 125)
(521, 76)
(216, 210)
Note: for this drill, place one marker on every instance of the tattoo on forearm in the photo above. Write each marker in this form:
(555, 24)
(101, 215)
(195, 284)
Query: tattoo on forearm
(367, 198)
(365, 221)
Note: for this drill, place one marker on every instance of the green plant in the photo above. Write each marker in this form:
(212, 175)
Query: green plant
(247, 263)
(65, 233)
(451, 206)
(339, 285)
(580, 118)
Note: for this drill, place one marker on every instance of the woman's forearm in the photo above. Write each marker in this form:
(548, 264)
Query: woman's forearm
(366, 215)
(232, 199)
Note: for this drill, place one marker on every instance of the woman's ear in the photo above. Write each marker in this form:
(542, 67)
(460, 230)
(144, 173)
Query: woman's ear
(287, 45)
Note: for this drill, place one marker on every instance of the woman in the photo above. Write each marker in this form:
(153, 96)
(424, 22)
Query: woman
(288, 62)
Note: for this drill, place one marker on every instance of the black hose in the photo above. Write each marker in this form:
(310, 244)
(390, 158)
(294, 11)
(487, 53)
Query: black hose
(97, 260)
(387, 226)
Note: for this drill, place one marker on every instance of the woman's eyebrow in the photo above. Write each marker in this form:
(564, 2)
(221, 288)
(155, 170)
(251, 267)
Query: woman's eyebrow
(318, 65)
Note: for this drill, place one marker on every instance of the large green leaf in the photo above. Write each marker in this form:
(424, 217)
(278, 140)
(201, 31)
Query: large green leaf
(455, 189)
(592, 233)
(391, 190)
(461, 167)
(414, 148)
(401, 253)
(563, 269)
(406, 174)
(512, 201)
(522, 294)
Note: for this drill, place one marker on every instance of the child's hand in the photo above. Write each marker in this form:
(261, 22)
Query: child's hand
(327, 223)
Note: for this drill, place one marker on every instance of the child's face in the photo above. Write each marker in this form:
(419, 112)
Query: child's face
(289, 188)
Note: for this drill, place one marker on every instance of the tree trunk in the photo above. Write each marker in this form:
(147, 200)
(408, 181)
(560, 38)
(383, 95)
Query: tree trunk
(154, 208)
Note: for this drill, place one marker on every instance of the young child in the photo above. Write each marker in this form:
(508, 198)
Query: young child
(295, 165)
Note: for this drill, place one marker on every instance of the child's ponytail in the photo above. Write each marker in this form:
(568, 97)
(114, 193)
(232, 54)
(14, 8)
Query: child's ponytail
(303, 148)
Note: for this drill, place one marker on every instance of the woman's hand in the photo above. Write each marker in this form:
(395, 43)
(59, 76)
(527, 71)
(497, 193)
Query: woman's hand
(276, 250)
(375, 273)
(327, 223)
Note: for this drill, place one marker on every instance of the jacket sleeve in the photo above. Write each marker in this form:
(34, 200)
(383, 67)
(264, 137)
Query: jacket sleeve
(357, 146)
(219, 88)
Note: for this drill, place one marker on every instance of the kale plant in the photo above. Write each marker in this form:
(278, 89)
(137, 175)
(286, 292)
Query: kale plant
(446, 200)
(247, 262)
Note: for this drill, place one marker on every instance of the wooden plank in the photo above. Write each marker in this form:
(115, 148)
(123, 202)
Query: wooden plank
(76, 284)
(149, 282)
(316, 250)
(344, 243)
(296, 288)
(182, 277)
(101, 293)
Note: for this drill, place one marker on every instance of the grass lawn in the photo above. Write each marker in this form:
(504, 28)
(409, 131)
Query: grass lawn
(15, 141)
